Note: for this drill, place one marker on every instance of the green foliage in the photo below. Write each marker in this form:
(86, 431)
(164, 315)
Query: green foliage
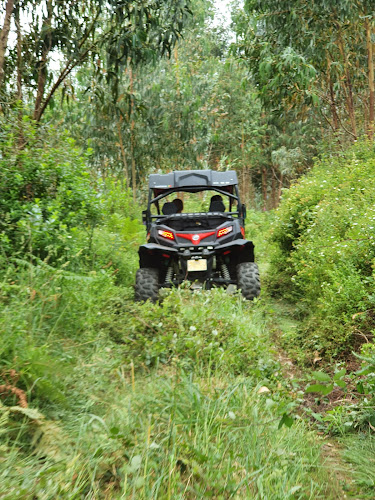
(106, 34)
(45, 191)
(324, 233)
(194, 109)
(43, 308)
(114, 244)
(192, 427)
(310, 57)
(357, 412)
(191, 330)
(326, 383)
(358, 453)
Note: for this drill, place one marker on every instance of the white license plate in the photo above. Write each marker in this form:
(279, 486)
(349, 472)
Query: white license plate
(197, 265)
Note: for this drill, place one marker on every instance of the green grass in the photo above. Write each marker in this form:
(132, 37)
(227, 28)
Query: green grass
(191, 424)
(358, 451)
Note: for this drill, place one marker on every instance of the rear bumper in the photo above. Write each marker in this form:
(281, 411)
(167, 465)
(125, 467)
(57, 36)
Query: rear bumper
(243, 247)
(159, 256)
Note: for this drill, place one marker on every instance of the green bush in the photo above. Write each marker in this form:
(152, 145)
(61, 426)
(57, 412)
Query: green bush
(200, 331)
(324, 232)
(45, 190)
(43, 311)
(115, 242)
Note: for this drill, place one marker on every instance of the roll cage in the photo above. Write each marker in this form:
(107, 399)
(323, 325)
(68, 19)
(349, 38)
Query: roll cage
(192, 181)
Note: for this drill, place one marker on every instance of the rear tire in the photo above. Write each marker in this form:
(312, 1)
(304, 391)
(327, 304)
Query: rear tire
(248, 280)
(147, 284)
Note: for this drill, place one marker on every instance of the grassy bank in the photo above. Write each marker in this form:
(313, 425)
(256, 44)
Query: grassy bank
(323, 253)
(179, 400)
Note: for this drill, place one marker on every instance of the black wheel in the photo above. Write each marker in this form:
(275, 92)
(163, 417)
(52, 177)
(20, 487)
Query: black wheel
(248, 280)
(147, 284)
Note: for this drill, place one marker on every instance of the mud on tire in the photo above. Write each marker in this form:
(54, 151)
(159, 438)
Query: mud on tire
(147, 284)
(248, 280)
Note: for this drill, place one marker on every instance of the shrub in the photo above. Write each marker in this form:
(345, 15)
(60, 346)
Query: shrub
(200, 331)
(45, 190)
(324, 231)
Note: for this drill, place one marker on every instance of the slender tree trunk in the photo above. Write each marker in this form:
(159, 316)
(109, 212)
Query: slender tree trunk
(21, 140)
(264, 188)
(251, 190)
(177, 103)
(42, 72)
(132, 137)
(348, 87)
(264, 168)
(123, 153)
(243, 190)
(274, 190)
(332, 96)
(281, 182)
(4, 34)
(19, 57)
(243, 187)
(178, 92)
(370, 129)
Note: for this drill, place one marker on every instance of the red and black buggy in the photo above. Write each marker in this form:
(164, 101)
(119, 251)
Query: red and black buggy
(206, 247)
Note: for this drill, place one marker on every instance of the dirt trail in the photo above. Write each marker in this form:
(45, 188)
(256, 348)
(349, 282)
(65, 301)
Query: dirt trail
(340, 472)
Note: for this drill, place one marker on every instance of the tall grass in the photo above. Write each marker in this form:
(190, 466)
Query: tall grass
(192, 425)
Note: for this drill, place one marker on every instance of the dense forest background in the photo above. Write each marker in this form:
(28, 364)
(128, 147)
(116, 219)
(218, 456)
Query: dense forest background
(147, 86)
(201, 394)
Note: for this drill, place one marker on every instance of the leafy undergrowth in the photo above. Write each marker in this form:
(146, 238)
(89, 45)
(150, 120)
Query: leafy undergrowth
(175, 400)
(337, 400)
(324, 258)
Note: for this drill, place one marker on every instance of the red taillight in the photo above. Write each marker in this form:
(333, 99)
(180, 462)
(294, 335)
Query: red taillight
(243, 232)
(224, 231)
(166, 234)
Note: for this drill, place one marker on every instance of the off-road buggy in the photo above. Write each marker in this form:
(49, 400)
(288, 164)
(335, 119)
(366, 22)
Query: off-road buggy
(207, 248)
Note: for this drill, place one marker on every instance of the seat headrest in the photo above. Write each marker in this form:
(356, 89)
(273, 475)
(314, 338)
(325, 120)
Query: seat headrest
(169, 208)
(217, 206)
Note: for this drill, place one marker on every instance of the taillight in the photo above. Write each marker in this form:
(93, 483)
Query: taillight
(243, 231)
(166, 234)
(224, 231)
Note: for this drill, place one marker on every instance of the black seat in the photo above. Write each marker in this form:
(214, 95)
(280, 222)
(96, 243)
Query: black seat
(217, 206)
(169, 208)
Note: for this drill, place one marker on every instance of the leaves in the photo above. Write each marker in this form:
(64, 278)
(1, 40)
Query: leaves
(286, 420)
(322, 389)
(321, 377)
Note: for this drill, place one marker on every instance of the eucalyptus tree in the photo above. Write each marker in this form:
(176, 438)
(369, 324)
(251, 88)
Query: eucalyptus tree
(107, 32)
(313, 55)
(193, 109)
(4, 34)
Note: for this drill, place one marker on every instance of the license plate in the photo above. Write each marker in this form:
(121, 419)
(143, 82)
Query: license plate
(197, 265)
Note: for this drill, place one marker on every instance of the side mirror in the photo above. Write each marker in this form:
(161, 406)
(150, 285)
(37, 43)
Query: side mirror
(144, 217)
(243, 210)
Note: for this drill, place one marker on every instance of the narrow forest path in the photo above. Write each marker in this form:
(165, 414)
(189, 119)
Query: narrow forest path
(339, 454)
(220, 414)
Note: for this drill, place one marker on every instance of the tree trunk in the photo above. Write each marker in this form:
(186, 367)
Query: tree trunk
(21, 140)
(348, 88)
(264, 188)
(332, 97)
(370, 129)
(281, 182)
(243, 188)
(4, 37)
(123, 153)
(274, 191)
(132, 138)
(42, 72)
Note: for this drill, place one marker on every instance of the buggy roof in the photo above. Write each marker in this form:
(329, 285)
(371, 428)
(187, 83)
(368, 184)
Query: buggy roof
(193, 179)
